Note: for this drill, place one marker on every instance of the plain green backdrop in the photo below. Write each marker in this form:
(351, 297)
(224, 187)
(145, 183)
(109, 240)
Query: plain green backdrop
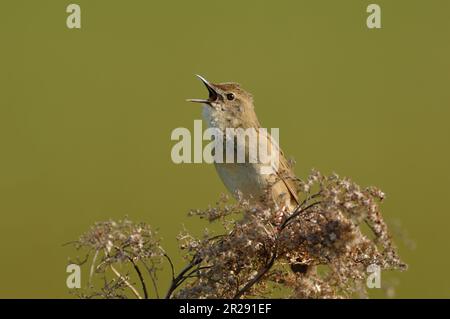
(86, 117)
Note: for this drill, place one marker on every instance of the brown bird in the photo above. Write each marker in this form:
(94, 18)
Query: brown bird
(230, 106)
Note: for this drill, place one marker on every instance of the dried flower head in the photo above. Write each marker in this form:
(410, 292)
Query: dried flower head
(319, 250)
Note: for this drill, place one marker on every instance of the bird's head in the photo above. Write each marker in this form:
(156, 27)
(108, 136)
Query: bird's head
(228, 104)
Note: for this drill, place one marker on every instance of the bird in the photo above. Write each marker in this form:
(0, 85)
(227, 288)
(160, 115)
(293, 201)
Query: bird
(230, 106)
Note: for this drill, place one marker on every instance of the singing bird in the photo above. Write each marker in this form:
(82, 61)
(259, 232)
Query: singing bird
(230, 106)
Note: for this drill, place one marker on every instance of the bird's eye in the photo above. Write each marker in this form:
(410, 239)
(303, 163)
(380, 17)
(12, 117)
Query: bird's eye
(230, 96)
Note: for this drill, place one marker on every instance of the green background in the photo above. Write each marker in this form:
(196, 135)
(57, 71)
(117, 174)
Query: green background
(86, 117)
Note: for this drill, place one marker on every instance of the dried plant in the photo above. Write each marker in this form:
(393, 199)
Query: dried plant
(320, 250)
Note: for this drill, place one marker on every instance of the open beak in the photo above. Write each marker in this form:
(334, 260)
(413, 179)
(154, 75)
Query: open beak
(211, 90)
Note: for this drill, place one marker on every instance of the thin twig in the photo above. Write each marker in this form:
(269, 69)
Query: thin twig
(136, 293)
(196, 270)
(180, 278)
(271, 262)
(171, 265)
(141, 278)
(260, 274)
(91, 272)
(118, 274)
(152, 275)
(297, 213)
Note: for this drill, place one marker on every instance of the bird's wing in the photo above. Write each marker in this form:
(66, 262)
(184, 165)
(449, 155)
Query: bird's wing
(284, 170)
(286, 174)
